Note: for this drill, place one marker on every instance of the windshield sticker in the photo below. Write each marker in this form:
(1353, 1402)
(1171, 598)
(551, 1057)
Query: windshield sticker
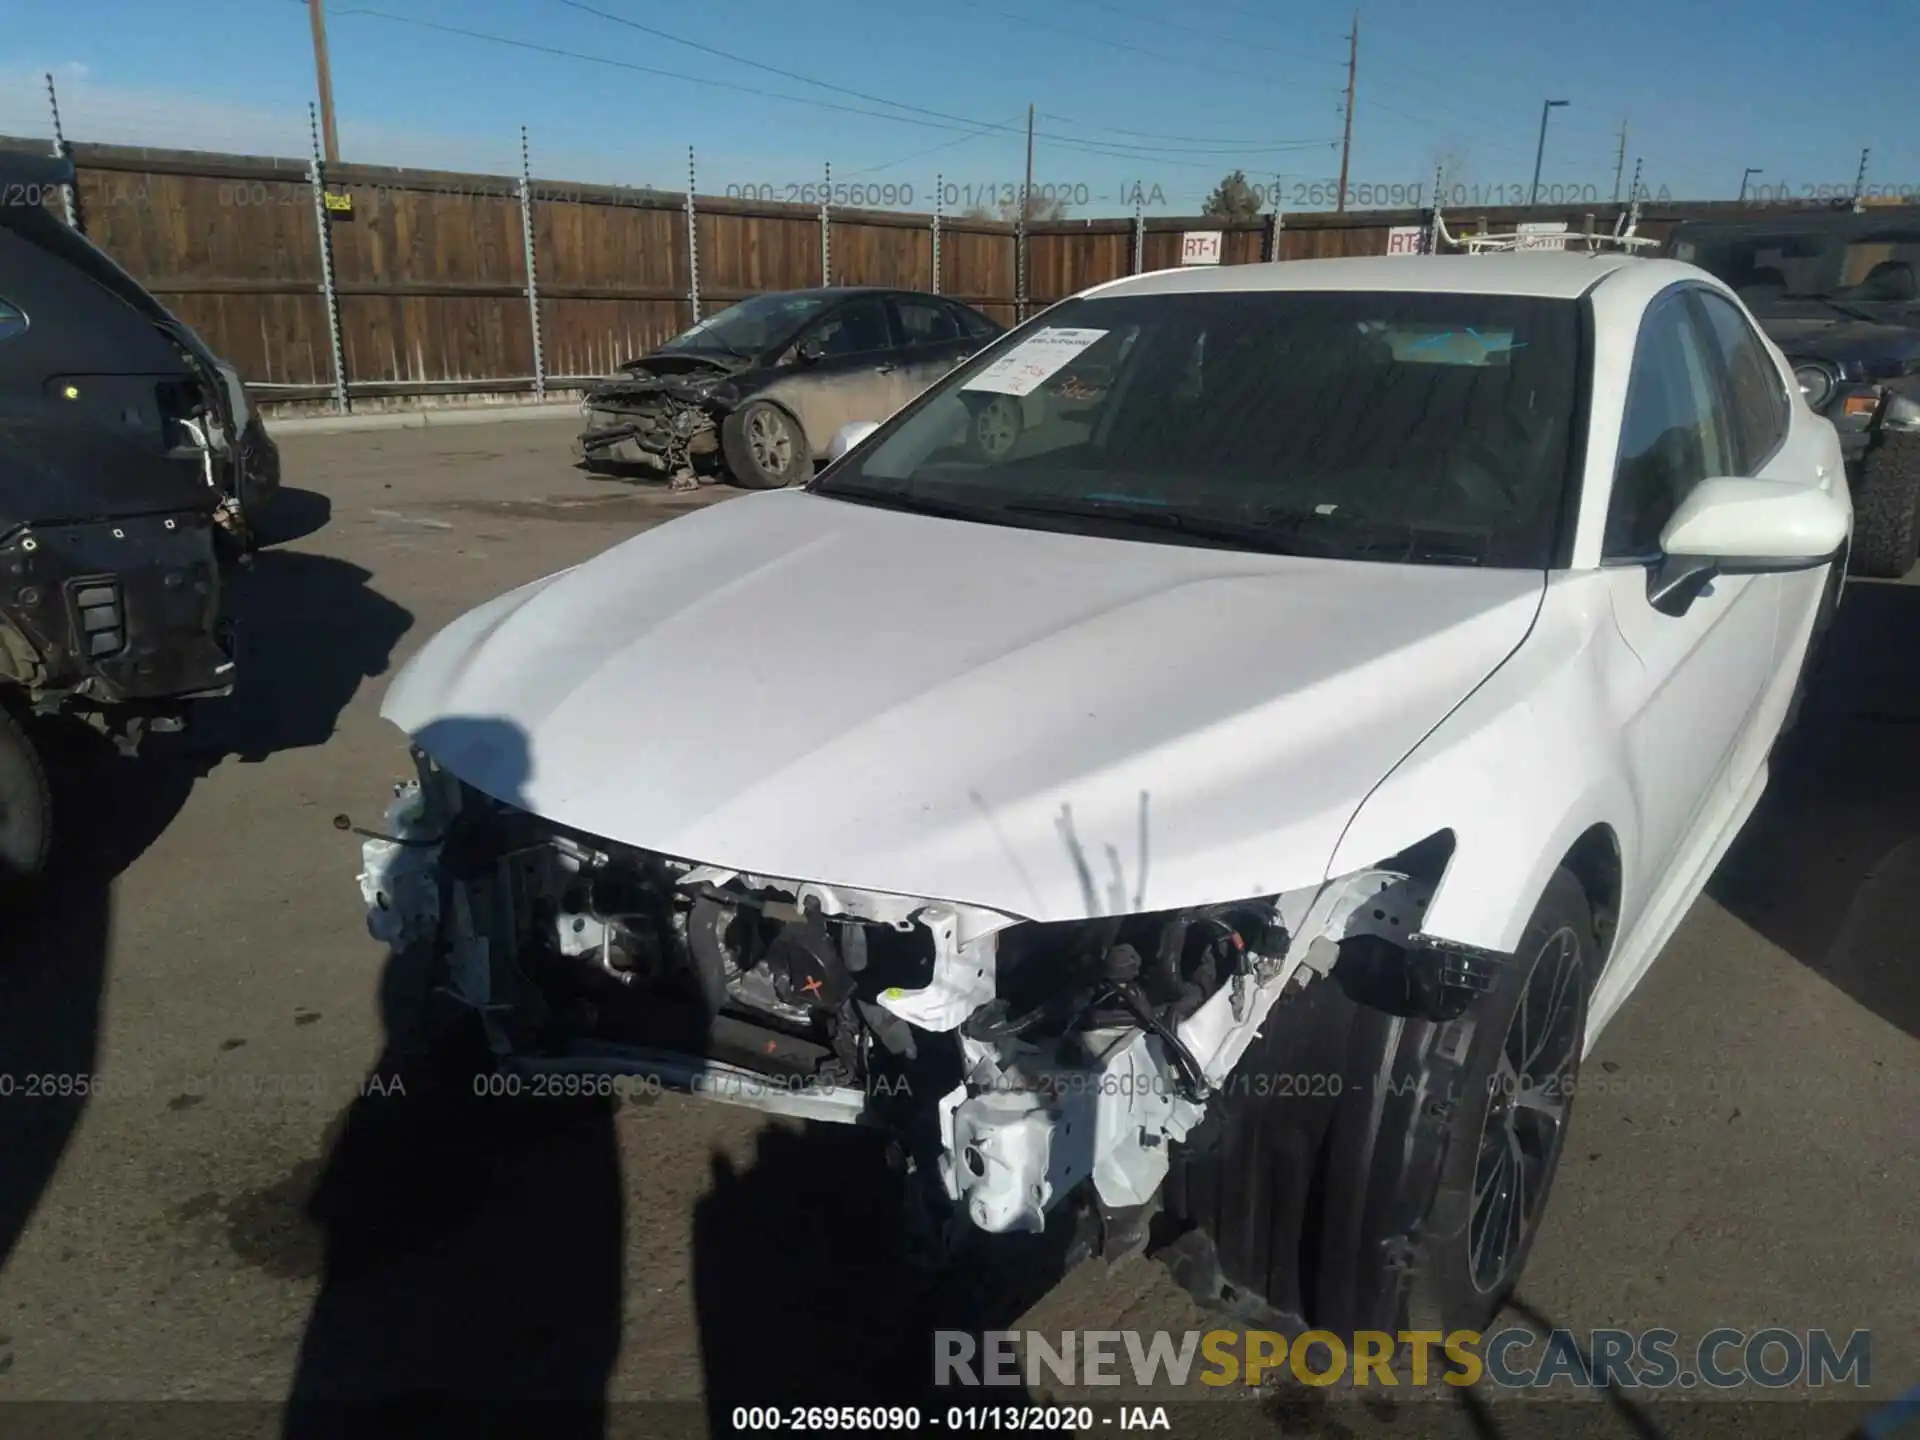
(1027, 366)
(1449, 345)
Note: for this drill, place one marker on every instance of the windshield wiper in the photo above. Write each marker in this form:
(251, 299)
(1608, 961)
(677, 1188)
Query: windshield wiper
(1268, 538)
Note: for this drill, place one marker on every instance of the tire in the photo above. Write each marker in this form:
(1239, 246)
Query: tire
(1559, 958)
(1351, 1208)
(26, 810)
(766, 448)
(1886, 527)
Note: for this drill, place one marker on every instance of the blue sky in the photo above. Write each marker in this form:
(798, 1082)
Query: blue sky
(1129, 92)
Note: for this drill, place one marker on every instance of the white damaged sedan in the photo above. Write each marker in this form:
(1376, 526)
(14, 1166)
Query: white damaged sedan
(1216, 759)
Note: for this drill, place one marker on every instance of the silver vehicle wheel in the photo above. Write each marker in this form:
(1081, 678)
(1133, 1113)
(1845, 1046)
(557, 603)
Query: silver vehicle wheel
(997, 426)
(771, 441)
(1520, 1138)
(765, 447)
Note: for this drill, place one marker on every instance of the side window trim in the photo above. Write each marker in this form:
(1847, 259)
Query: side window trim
(1674, 294)
(1776, 394)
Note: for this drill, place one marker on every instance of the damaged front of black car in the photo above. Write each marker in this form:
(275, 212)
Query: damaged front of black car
(662, 414)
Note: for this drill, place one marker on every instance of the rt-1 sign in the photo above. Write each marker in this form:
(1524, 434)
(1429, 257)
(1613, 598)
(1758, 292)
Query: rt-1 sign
(1200, 247)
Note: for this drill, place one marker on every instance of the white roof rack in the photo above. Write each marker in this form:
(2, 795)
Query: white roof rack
(1594, 241)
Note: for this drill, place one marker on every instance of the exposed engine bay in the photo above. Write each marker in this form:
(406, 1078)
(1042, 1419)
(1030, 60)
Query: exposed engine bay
(662, 413)
(1015, 1062)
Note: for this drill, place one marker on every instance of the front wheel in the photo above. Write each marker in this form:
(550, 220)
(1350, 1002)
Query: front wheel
(1506, 1136)
(1368, 1167)
(765, 447)
(26, 810)
(1886, 509)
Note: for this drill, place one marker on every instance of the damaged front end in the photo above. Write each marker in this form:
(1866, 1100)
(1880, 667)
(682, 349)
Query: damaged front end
(1022, 1068)
(662, 414)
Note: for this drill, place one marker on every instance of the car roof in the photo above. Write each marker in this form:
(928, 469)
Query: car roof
(847, 292)
(1547, 274)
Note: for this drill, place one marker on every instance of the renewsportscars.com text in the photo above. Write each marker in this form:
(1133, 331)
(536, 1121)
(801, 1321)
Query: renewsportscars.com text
(1514, 1358)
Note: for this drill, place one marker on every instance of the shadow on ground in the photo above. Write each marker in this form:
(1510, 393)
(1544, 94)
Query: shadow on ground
(312, 631)
(53, 953)
(806, 1292)
(1829, 864)
(472, 1244)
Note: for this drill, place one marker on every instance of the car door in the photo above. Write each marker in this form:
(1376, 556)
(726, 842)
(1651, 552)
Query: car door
(1688, 706)
(857, 374)
(932, 340)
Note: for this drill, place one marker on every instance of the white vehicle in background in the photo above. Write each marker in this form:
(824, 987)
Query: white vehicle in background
(1234, 802)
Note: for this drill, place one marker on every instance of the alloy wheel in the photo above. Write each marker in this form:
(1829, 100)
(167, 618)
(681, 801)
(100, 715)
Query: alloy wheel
(1526, 1119)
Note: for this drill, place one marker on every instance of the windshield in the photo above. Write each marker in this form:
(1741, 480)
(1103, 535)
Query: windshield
(753, 326)
(1852, 266)
(1430, 428)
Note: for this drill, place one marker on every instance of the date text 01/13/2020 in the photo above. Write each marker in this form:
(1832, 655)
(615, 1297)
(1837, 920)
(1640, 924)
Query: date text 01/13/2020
(955, 1419)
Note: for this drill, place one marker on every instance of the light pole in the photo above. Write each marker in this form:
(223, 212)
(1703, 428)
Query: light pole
(1746, 175)
(1541, 150)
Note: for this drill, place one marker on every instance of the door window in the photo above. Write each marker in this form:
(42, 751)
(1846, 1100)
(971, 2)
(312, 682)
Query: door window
(973, 324)
(1760, 411)
(1675, 434)
(856, 328)
(925, 321)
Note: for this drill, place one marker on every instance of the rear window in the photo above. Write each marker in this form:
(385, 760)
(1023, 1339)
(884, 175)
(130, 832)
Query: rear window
(1369, 425)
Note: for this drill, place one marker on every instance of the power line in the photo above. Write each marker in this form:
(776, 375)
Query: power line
(932, 149)
(729, 56)
(940, 121)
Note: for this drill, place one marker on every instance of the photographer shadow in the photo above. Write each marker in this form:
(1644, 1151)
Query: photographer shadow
(473, 1246)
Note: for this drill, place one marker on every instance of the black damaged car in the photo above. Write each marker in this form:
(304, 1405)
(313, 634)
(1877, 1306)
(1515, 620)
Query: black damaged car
(1837, 292)
(756, 392)
(132, 472)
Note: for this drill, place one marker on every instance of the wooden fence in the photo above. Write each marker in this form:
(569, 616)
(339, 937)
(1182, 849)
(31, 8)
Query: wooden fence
(430, 289)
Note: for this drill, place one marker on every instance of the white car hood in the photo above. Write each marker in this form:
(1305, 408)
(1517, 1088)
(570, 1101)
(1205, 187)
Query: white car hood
(1051, 725)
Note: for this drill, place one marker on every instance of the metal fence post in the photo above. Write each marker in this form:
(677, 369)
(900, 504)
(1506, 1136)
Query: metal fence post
(1020, 260)
(316, 177)
(69, 194)
(826, 229)
(693, 244)
(938, 182)
(533, 281)
(1139, 237)
(1433, 218)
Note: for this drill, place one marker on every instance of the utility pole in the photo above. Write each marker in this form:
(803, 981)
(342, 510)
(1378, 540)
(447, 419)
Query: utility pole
(1026, 207)
(1746, 175)
(1026, 190)
(1346, 142)
(1546, 108)
(1620, 162)
(1860, 182)
(324, 73)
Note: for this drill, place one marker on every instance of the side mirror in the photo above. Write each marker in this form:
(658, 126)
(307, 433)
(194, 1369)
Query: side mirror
(848, 436)
(1734, 525)
(809, 350)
